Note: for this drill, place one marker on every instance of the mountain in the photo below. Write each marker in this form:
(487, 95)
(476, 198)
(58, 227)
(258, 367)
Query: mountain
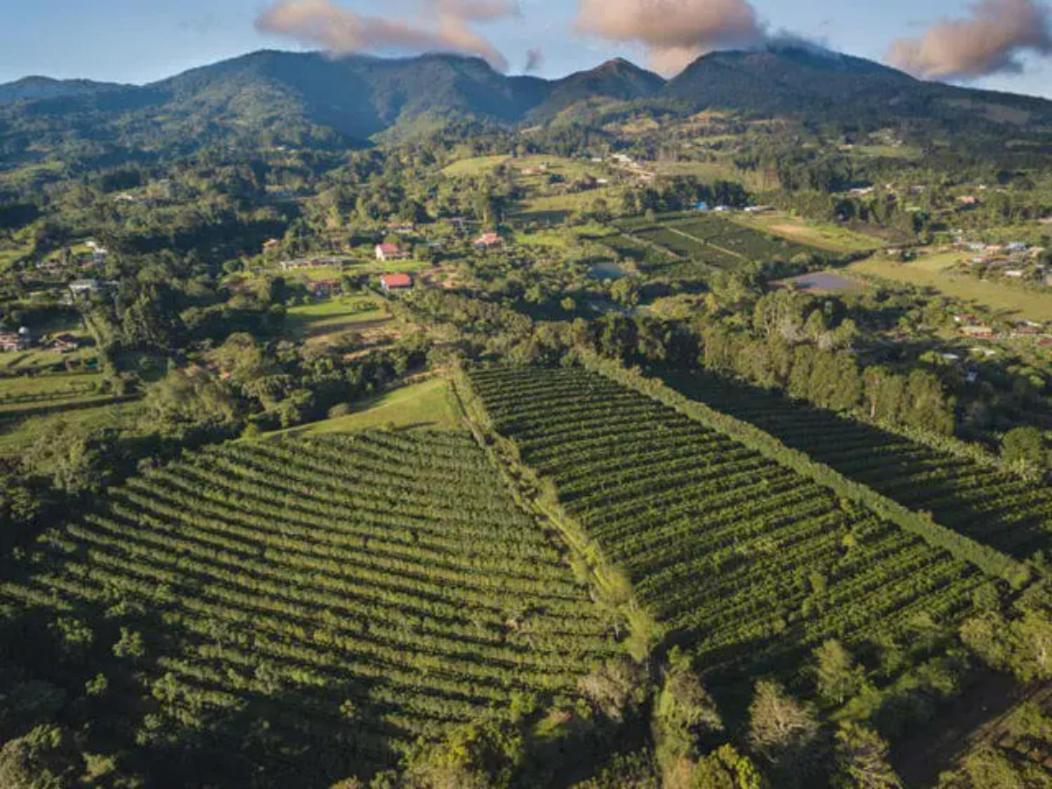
(32, 88)
(615, 80)
(799, 80)
(270, 98)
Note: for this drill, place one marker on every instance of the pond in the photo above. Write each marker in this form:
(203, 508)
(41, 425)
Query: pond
(606, 271)
(822, 281)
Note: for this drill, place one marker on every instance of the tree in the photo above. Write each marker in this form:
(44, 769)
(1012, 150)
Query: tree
(685, 713)
(726, 768)
(616, 688)
(1024, 448)
(781, 729)
(838, 677)
(861, 760)
(45, 758)
(478, 755)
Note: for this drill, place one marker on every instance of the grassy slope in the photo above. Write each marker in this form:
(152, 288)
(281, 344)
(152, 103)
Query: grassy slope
(824, 236)
(934, 272)
(426, 404)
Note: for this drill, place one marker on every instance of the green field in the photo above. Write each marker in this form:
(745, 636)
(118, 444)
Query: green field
(427, 404)
(744, 562)
(829, 237)
(30, 392)
(19, 432)
(340, 596)
(476, 165)
(935, 271)
(335, 314)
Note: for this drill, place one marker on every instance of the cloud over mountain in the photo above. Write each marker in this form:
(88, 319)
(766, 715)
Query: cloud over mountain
(987, 42)
(674, 32)
(442, 25)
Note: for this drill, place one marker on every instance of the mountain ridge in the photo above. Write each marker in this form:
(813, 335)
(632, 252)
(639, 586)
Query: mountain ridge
(276, 97)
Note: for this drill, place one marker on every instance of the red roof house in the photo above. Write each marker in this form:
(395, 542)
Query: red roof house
(390, 252)
(488, 241)
(391, 282)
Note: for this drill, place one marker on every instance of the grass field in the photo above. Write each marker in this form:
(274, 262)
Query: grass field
(475, 165)
(427, 404)
(355, 268)
(334, 315)
(934, 271)
(823, 236)
(29, 392)
(712, 171)
(16, 434)
(557, 207)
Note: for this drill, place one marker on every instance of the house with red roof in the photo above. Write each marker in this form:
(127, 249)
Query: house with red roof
(489, 241)
(390, 282)
(388, 251)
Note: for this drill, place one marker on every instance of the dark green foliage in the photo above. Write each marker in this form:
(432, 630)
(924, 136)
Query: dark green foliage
(303, 610)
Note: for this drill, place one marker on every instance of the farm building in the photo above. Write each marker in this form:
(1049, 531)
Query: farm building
(391, 282)
(16, 340)
(390, 252)
(488, 241)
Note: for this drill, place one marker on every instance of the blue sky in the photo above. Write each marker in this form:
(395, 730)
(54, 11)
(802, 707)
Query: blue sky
(143, 40)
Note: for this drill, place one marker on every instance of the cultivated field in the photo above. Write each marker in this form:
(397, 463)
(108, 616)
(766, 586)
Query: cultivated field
(745, 561)
(314, 605)
(710, 240)
(988, 505)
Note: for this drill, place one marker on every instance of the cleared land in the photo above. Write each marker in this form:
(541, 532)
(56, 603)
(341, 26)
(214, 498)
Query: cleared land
(334, 315)
(823, 236)
(934, 271)
(746, 562)
(426, 404)
(337, 597)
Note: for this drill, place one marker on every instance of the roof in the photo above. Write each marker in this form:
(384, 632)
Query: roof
(385, 248)
(489, 238)
(396, 280)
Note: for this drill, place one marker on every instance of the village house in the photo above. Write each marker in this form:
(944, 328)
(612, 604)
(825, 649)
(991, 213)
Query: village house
(978, 330)
(488, 241)
(301, 263)
(81, 288)
(389, 251)
(19, 340)
(323, 288)
(391, 282)
(64, 343)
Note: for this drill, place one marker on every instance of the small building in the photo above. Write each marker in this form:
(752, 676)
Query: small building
(323, 288)
(488, 241)
(388, 251)
(701, 206)
(81, 288)
(390, 282)
(271, 245)
(19, 340)
(65, 342)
